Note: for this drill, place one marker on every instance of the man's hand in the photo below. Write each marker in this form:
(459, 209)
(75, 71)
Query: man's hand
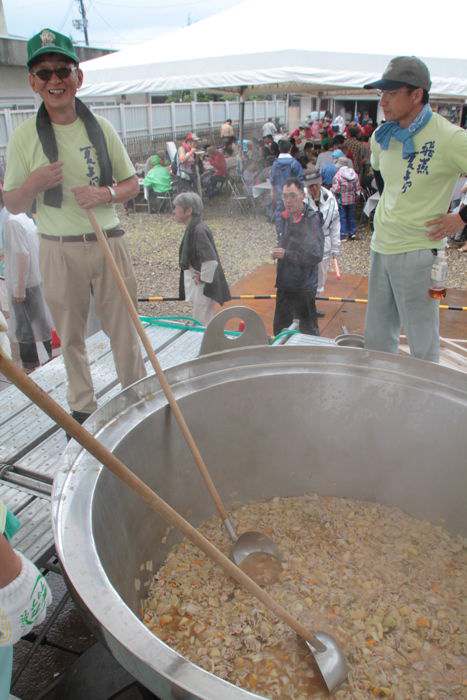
(444, 226)
(46, 177)
(88, 197)
(19, 299)
(278, 253)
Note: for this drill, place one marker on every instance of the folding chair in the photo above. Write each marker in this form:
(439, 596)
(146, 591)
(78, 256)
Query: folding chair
(161, 202)
(240, 196)
(140, 202)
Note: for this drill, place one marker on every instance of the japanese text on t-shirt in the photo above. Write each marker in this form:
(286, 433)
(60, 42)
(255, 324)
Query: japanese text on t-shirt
(426, 154)
(91, 163)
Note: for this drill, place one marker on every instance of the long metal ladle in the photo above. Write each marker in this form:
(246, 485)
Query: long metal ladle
(247, 543)
(330, 660)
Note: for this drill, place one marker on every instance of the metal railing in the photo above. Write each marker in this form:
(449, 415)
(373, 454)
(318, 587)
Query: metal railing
(142, 126)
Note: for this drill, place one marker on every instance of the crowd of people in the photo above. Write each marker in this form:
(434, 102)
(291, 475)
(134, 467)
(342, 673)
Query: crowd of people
(68, 161)
(205, 167)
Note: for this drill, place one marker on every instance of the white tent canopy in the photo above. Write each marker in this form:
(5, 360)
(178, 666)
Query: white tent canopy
(250, 46)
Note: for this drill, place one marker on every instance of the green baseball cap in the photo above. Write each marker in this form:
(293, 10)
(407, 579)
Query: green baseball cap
(49, 41)
(403, 70)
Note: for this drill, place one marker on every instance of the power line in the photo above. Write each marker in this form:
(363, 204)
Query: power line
(117, 34)
(66, 15)
(150, 7)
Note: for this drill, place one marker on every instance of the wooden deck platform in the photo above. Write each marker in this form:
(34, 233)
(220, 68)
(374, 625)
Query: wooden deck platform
(453, 324)
(31, 443)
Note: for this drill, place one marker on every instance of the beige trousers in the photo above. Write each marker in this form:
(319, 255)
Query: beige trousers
(71, 272)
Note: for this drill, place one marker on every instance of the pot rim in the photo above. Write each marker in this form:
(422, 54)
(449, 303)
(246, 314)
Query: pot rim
(77, 478)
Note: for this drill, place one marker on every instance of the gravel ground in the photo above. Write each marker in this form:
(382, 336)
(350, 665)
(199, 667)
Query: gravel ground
(243, 242)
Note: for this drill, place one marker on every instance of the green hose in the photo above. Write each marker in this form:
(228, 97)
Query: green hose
(175, 322)
(152, 319)
(284, 334)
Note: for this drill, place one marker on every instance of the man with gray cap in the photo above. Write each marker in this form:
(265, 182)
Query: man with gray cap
(318, 198)
(417, 156)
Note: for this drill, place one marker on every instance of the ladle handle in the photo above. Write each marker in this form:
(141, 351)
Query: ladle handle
(105, 457)
(102, 240)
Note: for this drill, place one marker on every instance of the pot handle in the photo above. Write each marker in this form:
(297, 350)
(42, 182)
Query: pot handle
(254, 332)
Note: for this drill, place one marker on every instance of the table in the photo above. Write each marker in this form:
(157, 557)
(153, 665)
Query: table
(262, 188)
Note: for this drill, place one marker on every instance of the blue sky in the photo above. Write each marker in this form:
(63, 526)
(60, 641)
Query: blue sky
(111, 23)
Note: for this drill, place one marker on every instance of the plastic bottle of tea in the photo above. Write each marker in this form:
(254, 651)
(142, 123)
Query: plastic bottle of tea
(439, 275)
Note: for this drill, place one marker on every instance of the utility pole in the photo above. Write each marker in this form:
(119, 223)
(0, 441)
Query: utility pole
(82, 24)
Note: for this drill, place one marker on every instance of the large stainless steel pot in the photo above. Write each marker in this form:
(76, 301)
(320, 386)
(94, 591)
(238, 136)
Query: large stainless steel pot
(269, 421)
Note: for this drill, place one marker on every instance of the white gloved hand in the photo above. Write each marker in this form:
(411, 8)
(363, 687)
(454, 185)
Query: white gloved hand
(4, 342)
(23, 603)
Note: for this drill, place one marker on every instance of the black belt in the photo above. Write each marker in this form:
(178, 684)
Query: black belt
(83, 237)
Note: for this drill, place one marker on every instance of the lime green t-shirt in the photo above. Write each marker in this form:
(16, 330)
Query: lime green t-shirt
(416, 189)
(80, 167)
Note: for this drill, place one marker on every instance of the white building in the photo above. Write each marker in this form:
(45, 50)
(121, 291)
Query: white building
(15, 92)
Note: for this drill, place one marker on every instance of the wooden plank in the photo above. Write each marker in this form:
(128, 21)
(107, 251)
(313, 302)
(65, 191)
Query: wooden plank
(29, 426)
(35, 537)
(451, 345)
(447, 357)
(49, 377)
(311, 340)
(183, 349)
(43, 460)
(14, 498)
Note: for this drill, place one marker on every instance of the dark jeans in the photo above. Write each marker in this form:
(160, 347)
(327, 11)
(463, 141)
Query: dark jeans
(24, 313)
(28, 353)
(299, 304)
(347, 217)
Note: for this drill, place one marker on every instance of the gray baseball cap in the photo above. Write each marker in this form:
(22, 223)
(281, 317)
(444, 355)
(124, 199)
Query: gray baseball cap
(403, 70)
(312, 176)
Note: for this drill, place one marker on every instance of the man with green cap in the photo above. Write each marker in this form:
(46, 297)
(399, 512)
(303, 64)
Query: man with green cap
(416, 156)
(65, 161)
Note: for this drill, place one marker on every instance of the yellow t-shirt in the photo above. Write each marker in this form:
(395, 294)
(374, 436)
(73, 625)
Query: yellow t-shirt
(416, 189)
(80, 167)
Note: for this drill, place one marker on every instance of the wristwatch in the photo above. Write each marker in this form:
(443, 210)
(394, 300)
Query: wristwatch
(113, 194)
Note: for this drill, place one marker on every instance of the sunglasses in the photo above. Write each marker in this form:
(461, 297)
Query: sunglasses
(61, 72)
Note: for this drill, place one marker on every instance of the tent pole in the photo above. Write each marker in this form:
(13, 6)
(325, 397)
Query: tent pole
(242, 115)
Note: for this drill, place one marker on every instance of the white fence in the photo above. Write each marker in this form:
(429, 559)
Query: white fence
(160, 121)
